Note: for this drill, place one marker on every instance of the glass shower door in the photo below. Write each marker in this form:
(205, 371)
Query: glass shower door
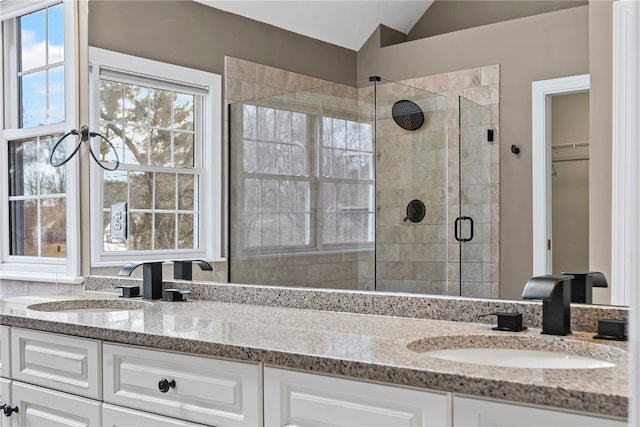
(473, 225)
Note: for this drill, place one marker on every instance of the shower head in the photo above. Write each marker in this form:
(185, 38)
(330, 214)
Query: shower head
(407, 114)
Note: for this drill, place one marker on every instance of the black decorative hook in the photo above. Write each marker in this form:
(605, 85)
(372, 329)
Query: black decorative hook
(84, 135)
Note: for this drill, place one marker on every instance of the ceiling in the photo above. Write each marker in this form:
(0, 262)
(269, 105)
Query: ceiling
(346, 23)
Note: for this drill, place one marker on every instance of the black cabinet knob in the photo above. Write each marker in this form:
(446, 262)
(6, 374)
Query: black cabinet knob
(164, 385)
(8, 410)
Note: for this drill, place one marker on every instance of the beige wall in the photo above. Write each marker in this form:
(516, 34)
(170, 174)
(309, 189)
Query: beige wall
(197, 36)
(528, 49)
(445, 16)
(600, 128)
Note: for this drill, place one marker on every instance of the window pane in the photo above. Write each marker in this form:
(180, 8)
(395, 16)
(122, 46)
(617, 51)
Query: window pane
(136, 145)
(183, 111)
(111, 245)
(115, 187)
(140, 231)
(53, 225)
(165, 231)
(183, 150)
(140, 190)
(52, 179)
(282, 126)
(23, 227)
(56, 95)
(114, 134)
(32, 40)
(33, 94)
(56, 34)
(160, 150)
(136, 104)
(186, 191)
(23, 168)
(186, 235)
(165, 191)
(111, 102)
(161, 101)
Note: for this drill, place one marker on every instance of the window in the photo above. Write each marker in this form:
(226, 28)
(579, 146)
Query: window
(39, 93)
(308, 181)
(159, 118)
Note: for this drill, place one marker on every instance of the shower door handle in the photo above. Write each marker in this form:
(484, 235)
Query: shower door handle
(457, 227)
(468, 218)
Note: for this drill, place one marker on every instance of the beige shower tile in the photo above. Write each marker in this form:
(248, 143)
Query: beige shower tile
(415, 252)
(430, 271)
(240, 69)
(483, 95)
(490, 74)
(388, 252)
(463, 79)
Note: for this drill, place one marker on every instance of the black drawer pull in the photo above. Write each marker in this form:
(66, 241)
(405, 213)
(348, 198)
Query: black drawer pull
(8, 410)
(164, 385)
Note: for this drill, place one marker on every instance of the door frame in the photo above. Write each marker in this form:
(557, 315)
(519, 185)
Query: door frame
(541, 93)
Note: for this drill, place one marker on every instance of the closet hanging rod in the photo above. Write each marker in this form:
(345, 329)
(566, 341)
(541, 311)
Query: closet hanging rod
(569, 145)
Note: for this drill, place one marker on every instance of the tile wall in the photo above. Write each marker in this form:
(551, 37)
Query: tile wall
(411, 165)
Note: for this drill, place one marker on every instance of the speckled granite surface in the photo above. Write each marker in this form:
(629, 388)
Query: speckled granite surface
(369, 347)
(583, 317)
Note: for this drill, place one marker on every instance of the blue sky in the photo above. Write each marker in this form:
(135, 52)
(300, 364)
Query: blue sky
(38, 49)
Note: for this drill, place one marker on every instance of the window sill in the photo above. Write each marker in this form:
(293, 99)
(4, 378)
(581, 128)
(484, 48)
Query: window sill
(30, 276)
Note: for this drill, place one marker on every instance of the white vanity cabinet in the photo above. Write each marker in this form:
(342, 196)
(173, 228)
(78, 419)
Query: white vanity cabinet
(117, 416)
(60, 362)
(302, 399)
(476, 412)
(191, 388)
(5, 353)
(43, 407)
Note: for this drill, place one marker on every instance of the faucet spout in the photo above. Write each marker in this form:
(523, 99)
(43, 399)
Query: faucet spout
(151, 278)
(555, 293)
(183, 269)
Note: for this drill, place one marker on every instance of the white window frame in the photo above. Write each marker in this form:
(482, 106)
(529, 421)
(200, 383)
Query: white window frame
(210, 198)
(63, 270)
(315, 179)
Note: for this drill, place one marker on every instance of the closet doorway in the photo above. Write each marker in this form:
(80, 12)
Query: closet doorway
(570, 181)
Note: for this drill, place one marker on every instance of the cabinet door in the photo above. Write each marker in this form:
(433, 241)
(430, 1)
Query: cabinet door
(302, 399)
(5, 354)
(115, 416)
(472, 412)
(197, 389)
(40, 407)
(57, 361)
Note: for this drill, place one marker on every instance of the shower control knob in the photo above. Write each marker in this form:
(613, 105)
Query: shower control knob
(164, 385)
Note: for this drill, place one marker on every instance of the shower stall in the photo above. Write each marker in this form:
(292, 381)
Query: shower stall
(375, 186)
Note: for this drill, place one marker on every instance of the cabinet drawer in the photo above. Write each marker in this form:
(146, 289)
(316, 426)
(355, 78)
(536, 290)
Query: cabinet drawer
(473, 412)
(5, 354)
(203, 390)
(39, 406)
(115, 416)
(302, 399)
(57, 361)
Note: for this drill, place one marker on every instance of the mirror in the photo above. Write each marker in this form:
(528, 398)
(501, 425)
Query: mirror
(400, 61)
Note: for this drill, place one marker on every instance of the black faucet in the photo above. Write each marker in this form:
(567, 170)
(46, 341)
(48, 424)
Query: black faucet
(583, 283)
(184, 269)
(151, 278)
(555, 293)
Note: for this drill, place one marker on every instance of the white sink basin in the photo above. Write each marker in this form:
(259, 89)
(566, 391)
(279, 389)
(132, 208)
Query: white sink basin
(517, 358)
(520, 351)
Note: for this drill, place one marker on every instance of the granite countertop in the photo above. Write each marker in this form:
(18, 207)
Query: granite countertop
(370, 347)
